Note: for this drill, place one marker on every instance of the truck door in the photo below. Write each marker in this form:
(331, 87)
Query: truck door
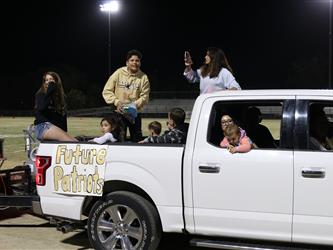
(313, 199)
(244, 194)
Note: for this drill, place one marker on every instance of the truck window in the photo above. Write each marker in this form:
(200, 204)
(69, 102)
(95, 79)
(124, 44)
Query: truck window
(320, 126)
(260, 120)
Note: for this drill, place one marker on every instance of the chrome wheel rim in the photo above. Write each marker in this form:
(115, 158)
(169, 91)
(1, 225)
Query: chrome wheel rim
(119, 227)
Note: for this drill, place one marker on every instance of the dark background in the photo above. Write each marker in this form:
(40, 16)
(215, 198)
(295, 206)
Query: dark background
(269, 44)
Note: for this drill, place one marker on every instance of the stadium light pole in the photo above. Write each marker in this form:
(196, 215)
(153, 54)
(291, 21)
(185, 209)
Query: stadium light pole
(330, 47)
(109, 7)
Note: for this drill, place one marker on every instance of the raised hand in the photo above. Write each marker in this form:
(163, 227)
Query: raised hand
(187, 59)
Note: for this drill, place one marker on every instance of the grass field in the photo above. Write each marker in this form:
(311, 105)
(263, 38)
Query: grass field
(11, 128)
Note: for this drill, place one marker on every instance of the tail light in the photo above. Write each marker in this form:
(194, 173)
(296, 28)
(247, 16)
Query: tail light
(42, 163)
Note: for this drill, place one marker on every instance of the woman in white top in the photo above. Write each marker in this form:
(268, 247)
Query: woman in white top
(111, 128)
(214, 75)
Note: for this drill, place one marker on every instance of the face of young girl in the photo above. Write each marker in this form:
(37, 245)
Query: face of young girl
(106, 127)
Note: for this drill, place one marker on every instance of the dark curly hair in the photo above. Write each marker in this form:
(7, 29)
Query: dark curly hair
(116, 124)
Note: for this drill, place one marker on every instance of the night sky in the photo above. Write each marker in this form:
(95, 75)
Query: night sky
(269, 44)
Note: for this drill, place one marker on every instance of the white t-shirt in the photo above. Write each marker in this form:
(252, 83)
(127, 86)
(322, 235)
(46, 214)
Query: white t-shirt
(104, 138)
(224, 80)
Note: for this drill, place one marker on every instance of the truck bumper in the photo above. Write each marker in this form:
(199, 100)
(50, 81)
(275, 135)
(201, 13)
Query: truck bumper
(36, 206)
(32, 201)
(17, 200)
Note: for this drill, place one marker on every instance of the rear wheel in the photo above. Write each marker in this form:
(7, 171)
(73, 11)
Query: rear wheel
(124, 220)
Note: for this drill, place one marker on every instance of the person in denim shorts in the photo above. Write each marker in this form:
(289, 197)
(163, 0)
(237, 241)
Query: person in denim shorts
(50, 110)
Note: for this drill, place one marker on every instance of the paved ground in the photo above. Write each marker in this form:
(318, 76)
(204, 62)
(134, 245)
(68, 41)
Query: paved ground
(21, 230)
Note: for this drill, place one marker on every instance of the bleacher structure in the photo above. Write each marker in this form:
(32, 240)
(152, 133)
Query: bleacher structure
(155, 108)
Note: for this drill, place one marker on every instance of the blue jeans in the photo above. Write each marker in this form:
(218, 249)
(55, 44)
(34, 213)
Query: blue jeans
(41, 128)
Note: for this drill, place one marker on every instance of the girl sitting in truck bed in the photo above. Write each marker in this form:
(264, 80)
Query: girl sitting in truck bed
(111, 128)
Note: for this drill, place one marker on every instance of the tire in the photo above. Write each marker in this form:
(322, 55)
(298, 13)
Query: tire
(124, 220)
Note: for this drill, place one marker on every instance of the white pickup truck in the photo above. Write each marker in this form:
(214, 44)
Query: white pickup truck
(127, 194)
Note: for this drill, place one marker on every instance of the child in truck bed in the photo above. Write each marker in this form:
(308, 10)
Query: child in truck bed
(177, 129)
(111, 128)
(154, 129)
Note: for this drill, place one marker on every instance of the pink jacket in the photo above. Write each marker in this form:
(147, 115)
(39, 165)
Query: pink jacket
(243, 146)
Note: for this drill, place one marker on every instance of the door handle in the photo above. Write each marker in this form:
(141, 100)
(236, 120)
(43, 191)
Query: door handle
(313, 172)
(209, 169)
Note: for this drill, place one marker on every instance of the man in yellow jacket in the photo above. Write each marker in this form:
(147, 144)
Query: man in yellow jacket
(128, 88)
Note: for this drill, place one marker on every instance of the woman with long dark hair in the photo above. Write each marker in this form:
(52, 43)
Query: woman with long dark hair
(50, 110)
(214, 75)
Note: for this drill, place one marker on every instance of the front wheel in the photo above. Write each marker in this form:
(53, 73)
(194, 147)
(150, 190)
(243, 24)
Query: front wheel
(124, 220)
